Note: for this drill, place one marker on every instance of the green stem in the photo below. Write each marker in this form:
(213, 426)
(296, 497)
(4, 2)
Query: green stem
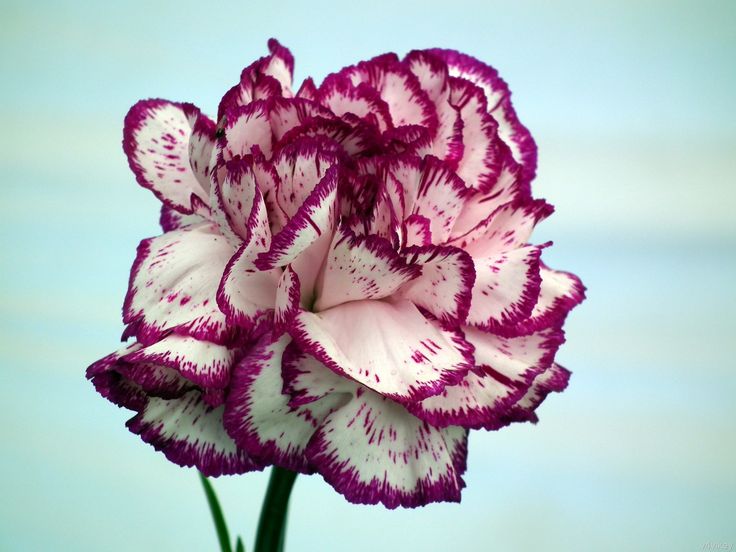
(272, 524)
(217, 515)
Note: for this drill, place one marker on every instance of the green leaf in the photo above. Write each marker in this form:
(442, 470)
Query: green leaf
(217, 516)
(239, 547)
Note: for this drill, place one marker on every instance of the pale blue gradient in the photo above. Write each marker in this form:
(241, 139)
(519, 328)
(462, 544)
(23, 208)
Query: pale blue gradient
(632, 104)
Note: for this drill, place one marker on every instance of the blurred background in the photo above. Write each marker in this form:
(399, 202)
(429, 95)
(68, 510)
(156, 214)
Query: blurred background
(632, 105)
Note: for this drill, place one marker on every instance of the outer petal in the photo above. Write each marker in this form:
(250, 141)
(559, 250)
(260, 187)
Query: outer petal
(390, 348)
(506, 287)
(445, 287)
(173, 284)
(357, 268)
(173, 220)
(506, 369)
(259, 418)
(190, 433)
(559, 293)
(373, 451)
(555, 378)
(156, 139)
(201, 362)
(508, 227)
(201, 145)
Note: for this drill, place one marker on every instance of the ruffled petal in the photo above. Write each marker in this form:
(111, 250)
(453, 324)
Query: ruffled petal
(365, 267)
(445, 287)
(505, 371)
(482, 157)
(506, 288)
(508, 227)
(314, 218)
(373, 451)
(559, 293)
(344, 98)
(554, 379)
(201, 362)
(389, 347)
(173, 220)
(156, 139)
(258, 415)
(247, 130)
(173, 284)
(191, 433)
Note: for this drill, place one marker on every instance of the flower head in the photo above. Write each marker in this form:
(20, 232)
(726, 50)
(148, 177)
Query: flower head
(345, 283)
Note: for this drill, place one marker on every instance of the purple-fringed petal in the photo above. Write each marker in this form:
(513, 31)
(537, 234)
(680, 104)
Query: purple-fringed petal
(258, 415)
(559, 293)
(356, 268)
(506, 287)
(389, 347)
(554, 379)
(156, 138)
(417, 231)
(498, 97)
(301, 167)
(445, 287)
(479, 205)
(439, 197)
(234, 198)
(201, 146)
(173, 220)
(508, 227)
(201, 362)
(344, 98)
(288, 297)
(375, 452)
(173, 284)
(505, 370)
(482, 156)
(313, 219)
(247, 130)
(190, 433)
(396, 85)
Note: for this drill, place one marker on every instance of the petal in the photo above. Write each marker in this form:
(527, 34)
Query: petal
(445, 287)
(201, 362)
(396, 85)
(301, 167)
(506, 369)
(247, 127)
(190, 433)
(343, 97)
(554, 379)
(315, 217)
(286, 114)
(417, 230)
(173, 284)
(389, 347)
(306, 379)
(498, 97)
(482, 157)
(365, 267)
(559, 293)
(156, 140)
(439, 197)
(506, 288)
(280, 66)
(288, 297)
(234, 196)
(508, 227)
(173, 220)
(245, 292)
(201, 145)
(259, 418)
(373, 451)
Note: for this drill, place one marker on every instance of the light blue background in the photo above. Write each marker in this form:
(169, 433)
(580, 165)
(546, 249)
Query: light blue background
(632, 104)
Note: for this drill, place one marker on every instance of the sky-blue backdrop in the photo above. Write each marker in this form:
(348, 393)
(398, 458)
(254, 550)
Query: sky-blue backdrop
(632, 104)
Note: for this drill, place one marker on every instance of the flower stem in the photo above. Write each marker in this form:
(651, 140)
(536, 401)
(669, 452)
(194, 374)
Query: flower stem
(217, 516)
(272, 524)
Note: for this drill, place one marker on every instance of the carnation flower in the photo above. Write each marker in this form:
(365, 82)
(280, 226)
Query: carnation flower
(346, 283)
